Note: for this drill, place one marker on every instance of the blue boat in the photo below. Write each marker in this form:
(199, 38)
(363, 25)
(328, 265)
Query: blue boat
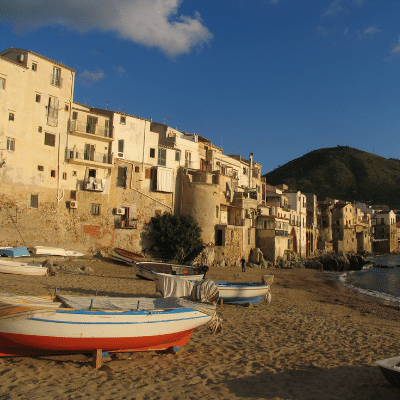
(21, 251)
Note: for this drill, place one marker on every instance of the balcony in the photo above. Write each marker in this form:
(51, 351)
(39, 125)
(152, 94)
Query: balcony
(95, 159)
(83, 129)
(94, 185)
(56, 80)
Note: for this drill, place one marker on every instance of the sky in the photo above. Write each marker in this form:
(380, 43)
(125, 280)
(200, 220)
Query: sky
(276, 78)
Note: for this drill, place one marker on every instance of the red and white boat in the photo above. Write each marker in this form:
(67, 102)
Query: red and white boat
(72, 324)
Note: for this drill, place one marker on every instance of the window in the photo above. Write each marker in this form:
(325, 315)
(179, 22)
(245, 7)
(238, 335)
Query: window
(121, 145)
(177, 155)
(148, 173)
(122, 120)
(40, 168)
(244, 171)
(122, 176)
(91, 124)
(89, 152)
(49, 139)
(2, 83)
(162, 157)
(95, 209)
(74, 115)
(34, 201)
(66, 107)
(40, 129)
(11, 116)
(56, 77)
(92, 173)
(152, 153)
(52, 111)
(74, 173)
(53, 173)
(216, 211)
(64, 176)
(188, 159)
(10, 144)
(38, 98)
(137, 170)
(34, 67)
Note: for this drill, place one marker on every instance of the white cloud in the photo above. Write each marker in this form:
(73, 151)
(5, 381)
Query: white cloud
(368, 32)
(120, 70)
(87, 78)
(371, 30)
(337, 7)
(154, 23)
(395, 50)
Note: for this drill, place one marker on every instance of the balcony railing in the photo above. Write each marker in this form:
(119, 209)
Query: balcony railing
(82, 155)
(94, 184)
(84, 127)
(56, 80)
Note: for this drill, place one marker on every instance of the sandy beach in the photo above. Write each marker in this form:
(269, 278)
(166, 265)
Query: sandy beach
(315, 340)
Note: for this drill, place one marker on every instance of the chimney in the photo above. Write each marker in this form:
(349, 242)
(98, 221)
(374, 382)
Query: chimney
(251, 170)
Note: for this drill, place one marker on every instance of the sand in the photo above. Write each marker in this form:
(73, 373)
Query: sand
(315, 340)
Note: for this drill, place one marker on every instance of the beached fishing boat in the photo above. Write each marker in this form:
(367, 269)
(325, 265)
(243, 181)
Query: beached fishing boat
(55, 251)
(20, 268)
(390, 369)
(146, 270)
(126, 256)
(242, 292)
(73, 324)
(21, 251)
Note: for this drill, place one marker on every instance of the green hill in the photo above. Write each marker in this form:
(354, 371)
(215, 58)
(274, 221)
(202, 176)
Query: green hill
(342, 173)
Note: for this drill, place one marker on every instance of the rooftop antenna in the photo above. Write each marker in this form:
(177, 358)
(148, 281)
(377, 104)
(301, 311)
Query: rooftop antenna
(222, 138)
(234, 149)
(87, 98)
(108, 102)
(120, 107)
(167, 118)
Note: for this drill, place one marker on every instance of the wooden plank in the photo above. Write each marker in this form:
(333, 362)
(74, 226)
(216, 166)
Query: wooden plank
(97, 358)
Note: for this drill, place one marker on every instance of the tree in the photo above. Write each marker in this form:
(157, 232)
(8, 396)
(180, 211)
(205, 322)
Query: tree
(177, 237)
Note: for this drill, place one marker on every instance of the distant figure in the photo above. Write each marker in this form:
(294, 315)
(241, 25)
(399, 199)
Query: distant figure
(243, 264)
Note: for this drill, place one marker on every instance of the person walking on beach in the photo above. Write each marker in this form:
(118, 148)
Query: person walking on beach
(243, 264)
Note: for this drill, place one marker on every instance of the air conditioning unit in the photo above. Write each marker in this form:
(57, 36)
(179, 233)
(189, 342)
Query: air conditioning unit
(120, 211)
(120, 155)
(73, 204)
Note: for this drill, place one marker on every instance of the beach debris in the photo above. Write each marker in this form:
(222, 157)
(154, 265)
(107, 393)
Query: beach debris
(267, 279)
(50, 267)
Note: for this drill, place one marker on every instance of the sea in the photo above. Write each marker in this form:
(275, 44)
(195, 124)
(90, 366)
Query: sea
(381, 283)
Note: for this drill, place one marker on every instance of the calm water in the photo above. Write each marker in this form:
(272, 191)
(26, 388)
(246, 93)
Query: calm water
(383, 283)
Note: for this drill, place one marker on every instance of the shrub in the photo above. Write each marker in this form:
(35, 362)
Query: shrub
(177, 237)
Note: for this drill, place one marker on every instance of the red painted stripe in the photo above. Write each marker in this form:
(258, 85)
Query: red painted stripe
(14, 344)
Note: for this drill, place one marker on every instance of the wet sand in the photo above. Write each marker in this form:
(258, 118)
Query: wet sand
(315, 340)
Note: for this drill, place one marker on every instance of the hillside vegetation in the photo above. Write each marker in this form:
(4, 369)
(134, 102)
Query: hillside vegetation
(342, 173)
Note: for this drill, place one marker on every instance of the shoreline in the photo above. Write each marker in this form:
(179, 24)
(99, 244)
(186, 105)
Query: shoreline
(316, 339)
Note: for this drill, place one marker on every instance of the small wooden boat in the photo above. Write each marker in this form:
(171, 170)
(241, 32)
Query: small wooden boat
(20, 268)
(74, 324)
(390, 369)
(55, 251)
(146, 269)
(242, 292)
(126, 256)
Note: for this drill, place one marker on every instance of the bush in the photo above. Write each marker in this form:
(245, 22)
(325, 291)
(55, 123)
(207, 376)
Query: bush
(177, 237)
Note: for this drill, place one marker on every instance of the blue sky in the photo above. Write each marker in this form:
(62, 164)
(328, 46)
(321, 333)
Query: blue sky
(278, 78)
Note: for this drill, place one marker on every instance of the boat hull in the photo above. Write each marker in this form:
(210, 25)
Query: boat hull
(242, 293)
(19, 268)
(390, 369)
(146, 270)
(30, 330)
